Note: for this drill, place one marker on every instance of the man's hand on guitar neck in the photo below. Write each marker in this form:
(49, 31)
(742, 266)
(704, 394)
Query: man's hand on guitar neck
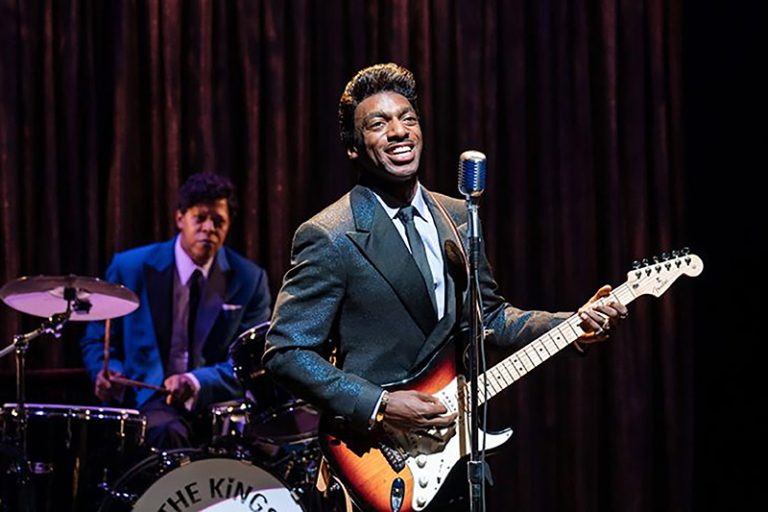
(599, 318)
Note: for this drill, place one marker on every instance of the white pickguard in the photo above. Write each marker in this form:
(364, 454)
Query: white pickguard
(430, 470)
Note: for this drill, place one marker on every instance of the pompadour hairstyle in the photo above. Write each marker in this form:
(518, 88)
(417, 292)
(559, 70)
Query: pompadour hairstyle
(367, 82)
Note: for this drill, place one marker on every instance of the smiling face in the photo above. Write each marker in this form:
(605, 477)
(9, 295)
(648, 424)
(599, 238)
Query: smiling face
(390, 137)
(203, 229)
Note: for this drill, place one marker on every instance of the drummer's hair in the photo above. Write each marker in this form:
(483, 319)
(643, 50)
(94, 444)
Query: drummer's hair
(205, 188)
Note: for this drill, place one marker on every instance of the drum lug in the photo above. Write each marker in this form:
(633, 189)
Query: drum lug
(297, 494)
(128, 498)
(40, 468)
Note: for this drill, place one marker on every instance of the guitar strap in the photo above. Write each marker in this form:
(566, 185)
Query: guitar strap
(454, 228)
(326, 480)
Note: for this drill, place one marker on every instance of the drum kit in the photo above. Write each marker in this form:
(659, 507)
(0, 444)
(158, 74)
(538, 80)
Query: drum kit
(262, 452)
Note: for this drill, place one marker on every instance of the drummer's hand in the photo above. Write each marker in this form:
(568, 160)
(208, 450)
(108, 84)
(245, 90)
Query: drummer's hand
(182, 388)
(105, 389)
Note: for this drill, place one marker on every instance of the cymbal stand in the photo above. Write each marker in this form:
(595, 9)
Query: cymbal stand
(51, 325)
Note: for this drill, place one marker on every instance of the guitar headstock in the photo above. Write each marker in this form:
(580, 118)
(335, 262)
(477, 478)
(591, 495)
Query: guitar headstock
(656, 275)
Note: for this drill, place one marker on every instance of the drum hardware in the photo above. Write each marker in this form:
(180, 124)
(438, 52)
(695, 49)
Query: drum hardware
(40, 468)
(74, 450)
(51, 325)
(279, 430)
(114, 496)
(58, 299)
(275, 415)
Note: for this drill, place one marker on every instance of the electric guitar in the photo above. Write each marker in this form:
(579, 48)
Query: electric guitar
(406, 471)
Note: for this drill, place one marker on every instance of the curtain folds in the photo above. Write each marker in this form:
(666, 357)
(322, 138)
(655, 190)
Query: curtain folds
(105, 108)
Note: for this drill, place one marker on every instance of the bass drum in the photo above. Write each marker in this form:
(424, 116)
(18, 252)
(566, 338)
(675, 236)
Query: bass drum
(194, 480)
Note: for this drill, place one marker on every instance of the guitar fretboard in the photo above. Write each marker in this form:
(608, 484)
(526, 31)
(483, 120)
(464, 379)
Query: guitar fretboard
(542, 348)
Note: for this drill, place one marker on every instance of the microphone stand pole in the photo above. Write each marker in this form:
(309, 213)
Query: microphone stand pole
(475, 466)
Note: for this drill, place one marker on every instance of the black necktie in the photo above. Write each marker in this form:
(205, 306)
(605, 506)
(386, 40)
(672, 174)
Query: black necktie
(417, 250)
(194, 302)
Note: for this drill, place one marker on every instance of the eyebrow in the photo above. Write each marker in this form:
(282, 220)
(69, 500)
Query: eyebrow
(381, 113)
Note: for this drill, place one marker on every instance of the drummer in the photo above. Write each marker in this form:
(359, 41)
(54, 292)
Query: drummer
(196, 296)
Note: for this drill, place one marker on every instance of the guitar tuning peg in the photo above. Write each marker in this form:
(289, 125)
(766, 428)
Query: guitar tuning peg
(664, 256)
(646, 262)
(675, 253)
(656, 259)
(686, 251)
(636, 265)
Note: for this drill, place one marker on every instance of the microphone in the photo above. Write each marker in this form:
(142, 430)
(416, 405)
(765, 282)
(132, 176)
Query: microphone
(472, 174)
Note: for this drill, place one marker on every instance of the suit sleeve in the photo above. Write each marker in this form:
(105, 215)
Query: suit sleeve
(512, 327)
(92, 343)
(299, 340)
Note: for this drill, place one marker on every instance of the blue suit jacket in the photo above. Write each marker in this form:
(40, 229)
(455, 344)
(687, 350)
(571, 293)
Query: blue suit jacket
(140, 341)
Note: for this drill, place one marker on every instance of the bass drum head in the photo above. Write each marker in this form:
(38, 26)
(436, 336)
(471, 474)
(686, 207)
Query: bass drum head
(197, 480)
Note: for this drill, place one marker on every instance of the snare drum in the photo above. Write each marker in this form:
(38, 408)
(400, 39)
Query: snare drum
(194, 480)
(73, 449)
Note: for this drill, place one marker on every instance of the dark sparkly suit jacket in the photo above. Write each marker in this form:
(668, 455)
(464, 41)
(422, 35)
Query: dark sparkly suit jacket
(354, 285)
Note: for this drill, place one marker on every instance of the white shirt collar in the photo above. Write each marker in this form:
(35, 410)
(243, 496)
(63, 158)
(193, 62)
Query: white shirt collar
(184, 264)
(417, 202)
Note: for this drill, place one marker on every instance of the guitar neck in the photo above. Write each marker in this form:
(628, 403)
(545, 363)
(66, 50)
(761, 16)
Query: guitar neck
(514, 367)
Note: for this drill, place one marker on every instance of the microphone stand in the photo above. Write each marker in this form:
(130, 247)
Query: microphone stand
(475, 466)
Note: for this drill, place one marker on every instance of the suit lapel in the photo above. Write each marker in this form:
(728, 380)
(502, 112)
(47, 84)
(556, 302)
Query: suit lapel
(214, 294)
(455, 279)
(379, 241)
(158, 274)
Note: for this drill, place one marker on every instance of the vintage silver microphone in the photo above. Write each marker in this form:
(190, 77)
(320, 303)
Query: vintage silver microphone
(472, 174)
(471, 186)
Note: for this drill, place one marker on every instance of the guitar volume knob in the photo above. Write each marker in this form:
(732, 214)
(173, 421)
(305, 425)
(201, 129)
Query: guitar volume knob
(423, 481)
(421, 461)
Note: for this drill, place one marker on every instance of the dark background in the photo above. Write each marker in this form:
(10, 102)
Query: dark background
(614, 130)
(725, 141)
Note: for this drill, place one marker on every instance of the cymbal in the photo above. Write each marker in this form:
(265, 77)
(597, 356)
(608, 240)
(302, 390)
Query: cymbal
(91, 298)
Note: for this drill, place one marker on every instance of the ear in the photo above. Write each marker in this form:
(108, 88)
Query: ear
(352, 153)
(179, 219)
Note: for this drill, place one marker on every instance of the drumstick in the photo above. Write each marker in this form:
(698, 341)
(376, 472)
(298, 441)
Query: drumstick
(107, 328)
(123, 380)
(139, 384)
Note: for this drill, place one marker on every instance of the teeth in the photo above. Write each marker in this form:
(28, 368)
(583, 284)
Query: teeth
(401, 150)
